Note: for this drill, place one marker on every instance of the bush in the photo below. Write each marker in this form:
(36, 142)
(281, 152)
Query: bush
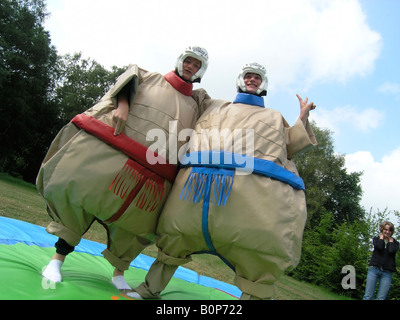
(327, 249)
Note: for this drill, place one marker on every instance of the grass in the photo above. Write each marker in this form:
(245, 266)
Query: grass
(20, 200)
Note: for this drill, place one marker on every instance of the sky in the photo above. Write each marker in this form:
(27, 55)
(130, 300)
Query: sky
(341, 54)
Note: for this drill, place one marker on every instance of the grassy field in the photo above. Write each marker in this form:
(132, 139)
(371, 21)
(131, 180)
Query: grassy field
(20, 200)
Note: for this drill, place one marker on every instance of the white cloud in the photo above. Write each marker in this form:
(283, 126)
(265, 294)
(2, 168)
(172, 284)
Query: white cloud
(299, 42)
(380, 179)
(390, 88)
(363, 121)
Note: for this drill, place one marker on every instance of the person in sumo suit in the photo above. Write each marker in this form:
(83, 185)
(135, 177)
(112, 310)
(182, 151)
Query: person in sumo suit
(238, 194)
(93, 171)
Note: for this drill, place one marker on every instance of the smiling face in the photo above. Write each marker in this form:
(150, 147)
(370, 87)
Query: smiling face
(387, 232)
(190, 67)
(252, 82)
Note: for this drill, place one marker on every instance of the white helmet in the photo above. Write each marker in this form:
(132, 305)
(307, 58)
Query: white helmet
(253, 67)
(197, 53)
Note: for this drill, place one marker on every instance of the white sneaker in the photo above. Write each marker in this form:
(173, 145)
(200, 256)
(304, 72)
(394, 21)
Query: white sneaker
(52, 271)
(120, 283)
(134, 295)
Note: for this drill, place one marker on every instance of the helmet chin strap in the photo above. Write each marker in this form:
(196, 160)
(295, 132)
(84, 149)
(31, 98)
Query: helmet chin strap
(261, 94)
(188, 81)
(179, 72)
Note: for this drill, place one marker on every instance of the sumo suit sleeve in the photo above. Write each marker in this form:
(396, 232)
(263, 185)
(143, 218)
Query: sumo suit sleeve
(202, 99)
(131, 78)
(128, 81)
(299, 138)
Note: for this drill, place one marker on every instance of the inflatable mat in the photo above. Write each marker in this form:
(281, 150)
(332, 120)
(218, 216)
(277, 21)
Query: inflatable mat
(25, 249)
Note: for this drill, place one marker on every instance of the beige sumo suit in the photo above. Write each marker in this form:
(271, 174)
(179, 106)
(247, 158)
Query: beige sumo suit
(253, 220)
(88, 173)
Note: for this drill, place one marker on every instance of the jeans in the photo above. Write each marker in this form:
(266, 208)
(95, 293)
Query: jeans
(385, 280)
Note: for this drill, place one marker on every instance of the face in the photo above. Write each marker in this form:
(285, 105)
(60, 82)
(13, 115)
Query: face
(190, 67)
(252, 82)
(386, 231)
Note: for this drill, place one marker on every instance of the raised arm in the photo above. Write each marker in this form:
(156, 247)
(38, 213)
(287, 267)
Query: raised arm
(305, 109)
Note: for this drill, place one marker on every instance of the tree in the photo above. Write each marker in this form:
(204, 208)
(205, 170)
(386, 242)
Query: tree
(336, 233)
(40, 91)
(26, 63)
(329, 187)
(80, 84)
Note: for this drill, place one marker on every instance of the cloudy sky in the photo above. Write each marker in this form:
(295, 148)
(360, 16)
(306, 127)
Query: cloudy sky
(342, 54)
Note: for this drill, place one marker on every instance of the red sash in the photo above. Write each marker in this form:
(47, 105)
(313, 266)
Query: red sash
(137, 174)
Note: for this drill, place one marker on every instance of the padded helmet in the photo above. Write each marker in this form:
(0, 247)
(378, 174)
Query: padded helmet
(197, 53)
(253, 67)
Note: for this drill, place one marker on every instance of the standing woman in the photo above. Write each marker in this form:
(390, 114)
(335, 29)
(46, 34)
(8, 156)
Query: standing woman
(382, 263)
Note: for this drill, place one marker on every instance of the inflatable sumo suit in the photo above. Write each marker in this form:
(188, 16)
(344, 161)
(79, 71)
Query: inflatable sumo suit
(253, 221)
(89, 174)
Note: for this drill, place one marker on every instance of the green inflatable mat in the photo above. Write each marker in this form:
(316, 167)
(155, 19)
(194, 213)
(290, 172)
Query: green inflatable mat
(86, 276)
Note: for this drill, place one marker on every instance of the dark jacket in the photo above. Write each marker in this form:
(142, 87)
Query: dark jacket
(384, 256)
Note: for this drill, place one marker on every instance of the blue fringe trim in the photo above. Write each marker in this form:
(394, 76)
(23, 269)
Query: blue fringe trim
(200, 181)
(232, 161)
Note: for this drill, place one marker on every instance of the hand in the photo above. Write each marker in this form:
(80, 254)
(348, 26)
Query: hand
(305, 109)
(120, 116)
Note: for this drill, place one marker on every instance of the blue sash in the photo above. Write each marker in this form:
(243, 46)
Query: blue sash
(207, 160)
(218, 167)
